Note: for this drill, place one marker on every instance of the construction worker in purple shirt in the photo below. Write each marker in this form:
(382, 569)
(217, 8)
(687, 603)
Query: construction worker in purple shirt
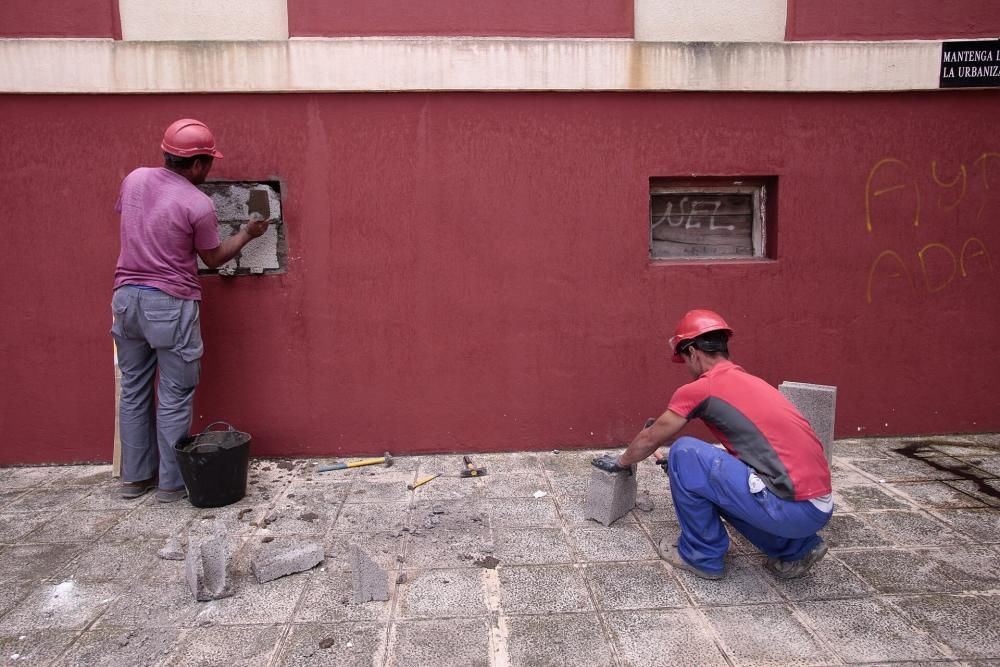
(771, 482)
(166, 224)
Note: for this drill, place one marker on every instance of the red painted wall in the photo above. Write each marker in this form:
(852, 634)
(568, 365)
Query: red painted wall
(59, 18)
(891, 19)
(469, 271)
(523, 18)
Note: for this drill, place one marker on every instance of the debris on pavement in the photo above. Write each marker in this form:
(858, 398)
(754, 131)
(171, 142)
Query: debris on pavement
(368, 579)
(276, 560)
(206, 564)
(173, 549)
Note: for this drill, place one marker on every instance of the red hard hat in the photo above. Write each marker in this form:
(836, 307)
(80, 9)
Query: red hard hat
(694, 324)
(188, 137)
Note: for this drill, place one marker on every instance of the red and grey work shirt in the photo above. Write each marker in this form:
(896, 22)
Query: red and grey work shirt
(758, 425)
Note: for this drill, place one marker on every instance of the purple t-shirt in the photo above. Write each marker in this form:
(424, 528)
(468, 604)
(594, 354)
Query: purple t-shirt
(165, 219)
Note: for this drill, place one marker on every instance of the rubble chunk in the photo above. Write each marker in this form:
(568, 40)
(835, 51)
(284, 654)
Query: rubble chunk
(278, 559)
(205, 566)
(369, 580)
(611, 495)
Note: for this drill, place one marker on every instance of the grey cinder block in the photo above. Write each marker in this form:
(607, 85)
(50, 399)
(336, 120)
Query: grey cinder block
(205, 566)
(368, 579)
(276, 560)
(611, 495)
(818, 404)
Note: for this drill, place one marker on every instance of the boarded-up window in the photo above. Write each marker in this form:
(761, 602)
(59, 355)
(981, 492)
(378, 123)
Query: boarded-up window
(693, 220)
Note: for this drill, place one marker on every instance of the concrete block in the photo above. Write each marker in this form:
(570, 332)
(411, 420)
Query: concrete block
(232, 200)
(205, 566)
(262, 252)
(818, 404)
(611, 495)
(368, 579)
(276, 559)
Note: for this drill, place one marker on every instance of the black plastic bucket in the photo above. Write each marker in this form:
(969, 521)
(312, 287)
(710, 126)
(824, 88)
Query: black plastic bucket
(214, 465)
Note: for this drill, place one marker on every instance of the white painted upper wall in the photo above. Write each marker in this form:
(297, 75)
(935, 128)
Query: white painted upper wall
(710, 20)
(224, 20)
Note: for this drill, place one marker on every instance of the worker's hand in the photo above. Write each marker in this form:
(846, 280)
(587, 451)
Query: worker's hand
(257, 225)
(661, 459)
(609, 463)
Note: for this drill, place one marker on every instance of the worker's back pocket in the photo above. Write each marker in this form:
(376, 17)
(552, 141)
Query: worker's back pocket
(159, 326)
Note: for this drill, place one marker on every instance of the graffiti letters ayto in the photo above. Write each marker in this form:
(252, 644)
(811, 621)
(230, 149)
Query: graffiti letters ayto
(894, 199)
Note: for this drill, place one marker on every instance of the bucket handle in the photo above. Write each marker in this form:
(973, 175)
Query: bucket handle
(224, 423)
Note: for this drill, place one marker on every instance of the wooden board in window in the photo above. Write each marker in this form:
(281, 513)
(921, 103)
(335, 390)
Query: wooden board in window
(691, 224)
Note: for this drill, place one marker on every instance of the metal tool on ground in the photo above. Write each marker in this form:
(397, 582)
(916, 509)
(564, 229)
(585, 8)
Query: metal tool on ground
(422, 481)
(470, 469)
(386, 459)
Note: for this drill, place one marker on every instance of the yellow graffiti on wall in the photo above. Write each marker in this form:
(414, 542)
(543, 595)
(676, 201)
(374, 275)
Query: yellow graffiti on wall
(937, 262)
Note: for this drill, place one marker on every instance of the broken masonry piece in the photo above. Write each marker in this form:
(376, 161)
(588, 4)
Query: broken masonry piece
(279, 559)
(369, 580)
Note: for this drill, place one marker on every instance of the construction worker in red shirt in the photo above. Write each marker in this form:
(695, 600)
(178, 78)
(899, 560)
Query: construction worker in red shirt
(771, 482)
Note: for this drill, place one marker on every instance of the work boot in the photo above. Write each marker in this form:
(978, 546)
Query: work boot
(131, 490)
(669, 553)
(165, 496)
(793, 569)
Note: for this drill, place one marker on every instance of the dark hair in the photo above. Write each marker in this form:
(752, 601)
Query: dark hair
(714, 343)
(182, 163)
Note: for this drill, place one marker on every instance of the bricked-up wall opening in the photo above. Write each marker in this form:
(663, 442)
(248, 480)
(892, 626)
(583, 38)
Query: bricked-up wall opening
(234, 203)
(710, 218)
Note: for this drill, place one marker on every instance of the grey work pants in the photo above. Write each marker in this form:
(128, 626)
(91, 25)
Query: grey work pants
(155, 331)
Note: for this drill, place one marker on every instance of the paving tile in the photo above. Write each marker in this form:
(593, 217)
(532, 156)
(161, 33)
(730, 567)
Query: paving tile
(47, 499)
(15, 591)
(34, 647)
(341, 644)
(622, 586)
(767, 635)
(226, 646)
(990, 464)
(114, 560)
(871, 448)
(505, 463)
(537, 589)
(446, 548)
(531, 546)
(573, 511)
(616, 543)
(382, 548)
(513, 485)
(841, 475)
(897, 571)
(572, 484)
(912, 528)
(656, 638)
(88, 475)
(985, 491)
(9, 496)
(328, 596)
(568, 462)
(149, 521)
(971, 567)
(24, 477)
(910, 470)
(151, 604)
(65, 605)
(115, 647)
(464, 514)
(981, 525)
(372, 517)
(254, 603)
(108, 497)
(865, 498)
(375, 491)
(15, 526)
(522, 512)
(744, 583)
(827, 580)
(76, 527)
(938, 495)
(556, 640)
(968, 624)
(851, 531)
(441, 593)
(868, 631)
(35, 561)
(460, 642)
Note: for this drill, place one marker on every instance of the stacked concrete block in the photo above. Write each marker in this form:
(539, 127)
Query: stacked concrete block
(205, 566)
(275, 560)
(262, 252)
(611, 495)
(818, 404)
(237, 203)
(368, 579)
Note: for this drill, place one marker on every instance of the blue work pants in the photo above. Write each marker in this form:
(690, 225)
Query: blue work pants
(709, 484)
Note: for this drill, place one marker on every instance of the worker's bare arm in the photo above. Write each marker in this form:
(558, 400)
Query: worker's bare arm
(649, 439)
(226, 250)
